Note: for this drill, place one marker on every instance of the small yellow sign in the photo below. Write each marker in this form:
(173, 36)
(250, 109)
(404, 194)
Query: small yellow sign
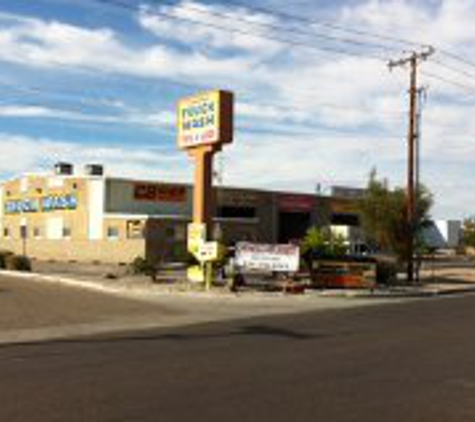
(205, 119)
(196, 237)
(208, 252)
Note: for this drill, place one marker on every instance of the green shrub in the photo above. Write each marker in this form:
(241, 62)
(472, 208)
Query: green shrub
(17, 263)
(143, 266)
(3, 258)
(386, 272)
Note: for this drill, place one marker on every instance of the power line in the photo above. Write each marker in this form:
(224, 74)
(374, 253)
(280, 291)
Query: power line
(454, 69)
(379, 36)
(449, 81)
(393, 39)
(289, 30)
(328, 25)
(328, 49)
(457, 57)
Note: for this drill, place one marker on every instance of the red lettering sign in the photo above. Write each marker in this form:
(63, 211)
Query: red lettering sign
(159, 192)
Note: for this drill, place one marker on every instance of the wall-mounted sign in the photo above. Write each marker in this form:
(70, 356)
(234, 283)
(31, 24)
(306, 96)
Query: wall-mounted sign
(347, 192)
(59, 202)
(267, 257)
(158, 192)
(43, 204)
(344, 206)
(295, 202)
(236, 198)
(205, 119)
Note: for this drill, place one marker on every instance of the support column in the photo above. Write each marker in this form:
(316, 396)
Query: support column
(203, 193)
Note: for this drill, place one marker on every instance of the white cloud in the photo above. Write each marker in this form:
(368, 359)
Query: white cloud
(22, 154)
(157, 120)
(201, 26)
(56, 45)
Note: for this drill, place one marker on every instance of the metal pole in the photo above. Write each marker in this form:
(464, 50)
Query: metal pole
(410, 169)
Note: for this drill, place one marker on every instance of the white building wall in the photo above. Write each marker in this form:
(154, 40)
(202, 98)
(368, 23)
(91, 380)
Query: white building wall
(450, 231)
(96, 201)
(2, 208)
(54, 228)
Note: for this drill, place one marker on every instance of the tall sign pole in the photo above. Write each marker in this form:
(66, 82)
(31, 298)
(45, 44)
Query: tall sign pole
(413, 60)
(205, 124)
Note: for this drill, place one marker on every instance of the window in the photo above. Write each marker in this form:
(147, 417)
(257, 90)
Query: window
(36, 233)
(180, 233)
(112, 232)
(66, 232)
(170, 232)
(135, 229)
(6, 232)
(345, 219)
(236, 212)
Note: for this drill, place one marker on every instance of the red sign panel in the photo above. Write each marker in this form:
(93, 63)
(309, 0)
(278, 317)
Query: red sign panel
(296, 202)
(159, 192)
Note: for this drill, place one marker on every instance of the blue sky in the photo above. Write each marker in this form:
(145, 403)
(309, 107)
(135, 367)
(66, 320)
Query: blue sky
(98, 81)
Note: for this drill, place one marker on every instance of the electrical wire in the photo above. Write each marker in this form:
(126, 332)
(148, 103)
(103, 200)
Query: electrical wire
(379, 36)
(333, 26)
(402, 41)
(456, 57)
(454, 69)
(471, 89)
(295, 43)
(281, 28)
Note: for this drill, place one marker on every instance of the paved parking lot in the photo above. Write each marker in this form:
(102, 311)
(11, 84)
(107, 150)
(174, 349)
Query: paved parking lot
(32, 309)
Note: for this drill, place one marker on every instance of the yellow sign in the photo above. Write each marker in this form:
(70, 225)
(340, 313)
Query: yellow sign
(196, 237)
(205, 119)
(208, 251)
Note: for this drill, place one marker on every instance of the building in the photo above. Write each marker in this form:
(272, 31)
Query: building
(90, 217)
(443, 234)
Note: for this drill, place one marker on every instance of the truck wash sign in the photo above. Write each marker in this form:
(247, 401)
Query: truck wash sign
(205, 119)
(44, 204)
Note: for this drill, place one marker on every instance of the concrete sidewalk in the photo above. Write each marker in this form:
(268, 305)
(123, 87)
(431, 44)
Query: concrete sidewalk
(116, 281)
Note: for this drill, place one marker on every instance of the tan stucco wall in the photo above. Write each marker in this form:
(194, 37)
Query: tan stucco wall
(109, 251)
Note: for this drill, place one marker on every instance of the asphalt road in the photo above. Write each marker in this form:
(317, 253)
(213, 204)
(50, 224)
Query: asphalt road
(25, 304)
(410, 361)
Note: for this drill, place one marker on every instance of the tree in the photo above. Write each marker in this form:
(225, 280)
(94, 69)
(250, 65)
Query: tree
(468, 237)
(384, 218)
(320, 242)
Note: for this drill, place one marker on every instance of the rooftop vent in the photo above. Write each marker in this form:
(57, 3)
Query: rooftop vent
(94, 170)
(63, 168)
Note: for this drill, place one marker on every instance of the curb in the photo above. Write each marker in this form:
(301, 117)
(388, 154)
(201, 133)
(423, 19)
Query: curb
(383, 294)
(139, 293)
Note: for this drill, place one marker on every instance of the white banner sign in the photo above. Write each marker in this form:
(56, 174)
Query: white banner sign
(267, 257)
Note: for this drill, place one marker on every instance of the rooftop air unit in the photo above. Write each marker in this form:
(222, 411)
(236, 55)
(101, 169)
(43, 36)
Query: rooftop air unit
(94, 170)
(63, 169)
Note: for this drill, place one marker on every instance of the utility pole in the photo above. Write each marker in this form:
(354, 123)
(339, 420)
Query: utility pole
(421, 96)
(413, 59)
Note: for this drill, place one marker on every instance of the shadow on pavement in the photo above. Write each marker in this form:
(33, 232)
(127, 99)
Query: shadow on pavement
(253, 330)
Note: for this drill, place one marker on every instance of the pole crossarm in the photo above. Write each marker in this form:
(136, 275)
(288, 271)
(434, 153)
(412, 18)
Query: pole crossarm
(414, 57)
